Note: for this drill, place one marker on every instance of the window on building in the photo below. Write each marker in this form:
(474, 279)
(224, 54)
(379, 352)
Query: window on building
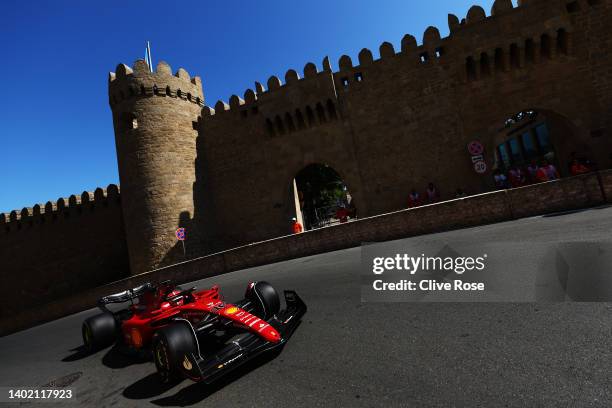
(301, 124)
(321, 113)
(358, 76)
(527, 138)
(516, 155)
(515, 59)
(499, 60)
(545, 46)
(279, 125)
(345, 82)
(470, 68)
(310, 116)
(529, 146)
(289, 121)
(331, 110)
(270, 127)
(127, 121)
(424, 57)
(543, 138)
(485, 65)
(562, 41)
(529, 50)
(502, 151)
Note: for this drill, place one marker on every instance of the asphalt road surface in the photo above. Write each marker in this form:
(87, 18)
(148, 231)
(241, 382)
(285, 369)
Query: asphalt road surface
(349, 353)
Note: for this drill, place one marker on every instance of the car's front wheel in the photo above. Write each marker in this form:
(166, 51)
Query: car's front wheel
(171, 344)
(264, 297)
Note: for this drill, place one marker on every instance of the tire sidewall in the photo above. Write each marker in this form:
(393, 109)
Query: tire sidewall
(99, 331)
(170, 345)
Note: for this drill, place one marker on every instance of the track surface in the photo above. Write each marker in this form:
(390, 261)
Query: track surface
(348, 353)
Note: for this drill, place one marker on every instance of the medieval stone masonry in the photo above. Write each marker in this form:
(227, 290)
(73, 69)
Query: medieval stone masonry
(386, 124)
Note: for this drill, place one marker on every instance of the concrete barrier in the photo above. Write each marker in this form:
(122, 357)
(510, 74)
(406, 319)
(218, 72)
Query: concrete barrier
(567, 194)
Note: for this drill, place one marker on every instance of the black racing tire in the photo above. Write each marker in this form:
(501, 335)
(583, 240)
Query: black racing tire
(265, 298)
(170, 345)
(99, 331)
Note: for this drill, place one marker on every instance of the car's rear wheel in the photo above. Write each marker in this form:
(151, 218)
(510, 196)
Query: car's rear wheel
(99, 331)
(171, 344)
(264, 297)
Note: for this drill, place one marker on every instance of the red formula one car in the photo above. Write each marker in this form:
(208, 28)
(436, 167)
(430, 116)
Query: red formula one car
(195, 334)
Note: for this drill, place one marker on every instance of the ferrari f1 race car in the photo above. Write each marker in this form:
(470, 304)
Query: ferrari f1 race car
(195, 334)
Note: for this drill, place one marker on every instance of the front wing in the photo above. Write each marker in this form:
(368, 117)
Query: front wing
(248, 346)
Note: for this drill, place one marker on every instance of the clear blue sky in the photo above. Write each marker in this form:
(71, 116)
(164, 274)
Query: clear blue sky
(55, 124)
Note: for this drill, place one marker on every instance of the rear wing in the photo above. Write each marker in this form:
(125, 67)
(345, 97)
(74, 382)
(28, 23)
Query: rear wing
(125, 296)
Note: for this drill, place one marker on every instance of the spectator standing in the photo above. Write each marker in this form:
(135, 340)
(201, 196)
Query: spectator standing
(532, 171)
(414, 199)
(342, 214)
(433, 195)
(500, 179)
(546, 172)
(577, 168)
(297, 227)
(517, 177)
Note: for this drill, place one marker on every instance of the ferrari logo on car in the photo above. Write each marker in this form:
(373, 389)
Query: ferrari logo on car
(231, 310)
(187, 364)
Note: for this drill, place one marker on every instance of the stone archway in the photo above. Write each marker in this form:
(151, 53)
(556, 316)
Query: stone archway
(321, 196)
(533, 135)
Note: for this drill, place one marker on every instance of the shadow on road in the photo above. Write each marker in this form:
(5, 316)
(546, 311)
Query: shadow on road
(150, 386)
(116, 357)
(147, 387)
(78, 353)
(579, 210)
(120, 357)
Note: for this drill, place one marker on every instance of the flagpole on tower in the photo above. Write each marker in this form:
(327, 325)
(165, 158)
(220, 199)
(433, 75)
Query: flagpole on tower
(149, 56)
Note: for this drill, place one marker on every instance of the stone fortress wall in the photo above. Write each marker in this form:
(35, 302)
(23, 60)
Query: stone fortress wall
(386, 124)
(389, 124)
(54, 250)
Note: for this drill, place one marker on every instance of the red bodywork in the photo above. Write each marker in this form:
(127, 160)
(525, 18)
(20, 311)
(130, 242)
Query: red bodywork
(151, 313)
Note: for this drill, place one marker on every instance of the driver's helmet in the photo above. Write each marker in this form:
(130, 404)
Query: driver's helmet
(167, 289)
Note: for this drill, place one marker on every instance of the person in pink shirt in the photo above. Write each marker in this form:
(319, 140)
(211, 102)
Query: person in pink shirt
(550, 170)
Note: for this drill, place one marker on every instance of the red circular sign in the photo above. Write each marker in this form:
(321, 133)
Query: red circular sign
(475, 148)
(180, 234)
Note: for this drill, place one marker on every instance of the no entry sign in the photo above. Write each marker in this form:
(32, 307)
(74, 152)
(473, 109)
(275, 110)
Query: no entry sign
(475, 148)
(180, 234)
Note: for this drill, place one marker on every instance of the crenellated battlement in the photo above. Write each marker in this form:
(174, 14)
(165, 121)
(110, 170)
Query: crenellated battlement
(76, 204)
(251, 97)
(137, 82)
(461, 48)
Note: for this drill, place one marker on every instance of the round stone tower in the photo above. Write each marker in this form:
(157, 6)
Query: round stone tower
(153, 117)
